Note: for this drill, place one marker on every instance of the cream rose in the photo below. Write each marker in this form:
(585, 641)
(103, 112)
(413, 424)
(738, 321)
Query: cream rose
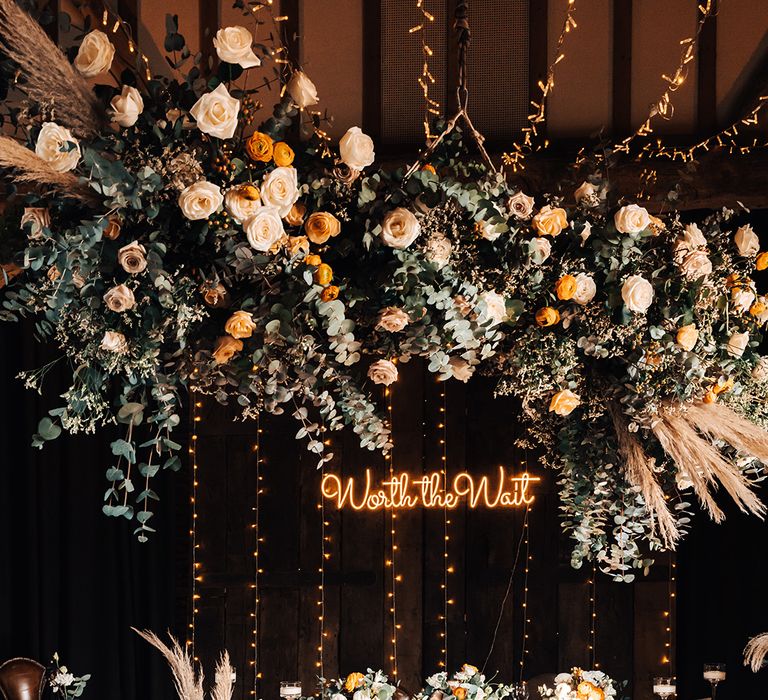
(760, 370)
(564, 402)
(631, 219)
(216, 113)
(241, 204)
(392, 319)
(438, 250)
(35, 219)
(742, 299)
(95, 54)
(57, 147)
(383, 372)
(264, 229)
(693, 236)
(521, 205)
(226, 348)
(495, 307)
(133, 258)
(127, 106)
(461, 369)
(114, 342)
(550, 221)
(539, 249)
(737, 344)
(356, 149)
(586, 232)
(586, 194)
(120, 299)
(302, 90)
(687, 336)
(696, 264)
(200, 200)
(747, 242)
(487, 230)
(400, 228)
(240, 325)
(233, 45)
(585, 289)
(637, 293)
(280, 189)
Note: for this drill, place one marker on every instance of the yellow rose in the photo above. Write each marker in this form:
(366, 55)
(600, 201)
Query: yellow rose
(354, 680)
(226, 348)
(762, 262)
(259, 147)
(687, 336)
(240, 325)
(566, 287)
(323, 274)
(282, 154)
(330, 293)
(321, 226)
(563, 402)
(295, 217)
(547, 316)
(549, 221)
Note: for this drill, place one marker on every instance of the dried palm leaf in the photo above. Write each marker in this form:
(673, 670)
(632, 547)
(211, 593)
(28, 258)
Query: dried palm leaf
(223, 685)
(640, 474)
(188, 685)
(756, 652)
(50, 77)
(723, 423)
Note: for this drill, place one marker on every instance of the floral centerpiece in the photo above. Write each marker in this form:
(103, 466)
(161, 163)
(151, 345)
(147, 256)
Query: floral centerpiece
(63, 682)
(466, 684)
(171, 246)
(372, 685)
(581, 685)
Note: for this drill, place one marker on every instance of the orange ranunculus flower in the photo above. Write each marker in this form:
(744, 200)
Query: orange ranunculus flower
(330, 293)
(321, 226)
(547, 316)
(710, 397)
(722, 386)
(354, 680)
(249, 192)
(460, 693)
(259, 147)
(430, 168)
(313, 260)
(584, 689)
(323, 274)
(226, 348)
(566, 287)
(283, 154)
(761, 263)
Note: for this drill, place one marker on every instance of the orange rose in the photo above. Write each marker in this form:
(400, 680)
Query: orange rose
(240, 325)
(113, 229)
(549, 221)
(354, 680)
(321, 226)
(566, 287)
(330, 293)
(460, 693)
(297, 245)
(758, 308)
(323, 274)
(710, 397)
(762, 262)
(259, 147)
(295, 217)
(215, 295)
(429, 168)
(547, 316)
(283, 154)
(226, 348)
(313, 260)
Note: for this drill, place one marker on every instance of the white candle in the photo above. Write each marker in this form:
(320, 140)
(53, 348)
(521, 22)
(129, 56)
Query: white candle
(290, 691)
(715, 676)
(664, 689)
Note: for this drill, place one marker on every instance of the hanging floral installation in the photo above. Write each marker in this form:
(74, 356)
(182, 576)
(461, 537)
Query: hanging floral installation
(167, 243)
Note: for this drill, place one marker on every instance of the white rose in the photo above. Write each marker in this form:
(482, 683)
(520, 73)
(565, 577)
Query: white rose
(200, 200)
(737, 344)
(742, 299)
(586, 232)
(694, 237)
(637, 293)
(438, 250)
(338, 696)
(521, 205)
(63, 680)
(400, 228)
(114, 342)
(760, 371)
(280, 189)
(239, 205)
(95, 54)
(563, 678)
(696, 264)
(58, 147)
(487, 231)
(747, 242)
(264, 229)
(302, 90)
(127, 106)
(216, 113)
(631, 219)
(120, 299)
(586, 194)
(539, 249)
(585, 289)
(356, 149)
(233, 45)
(461, 369)
(383, 372)
(392, 319)
(495, 307)
(38, 218)
(362, 694)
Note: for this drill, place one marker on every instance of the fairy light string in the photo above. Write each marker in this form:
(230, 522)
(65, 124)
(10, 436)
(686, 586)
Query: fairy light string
(392, 562)
(426, 79)
(524, 604)
(447, 568)
(257, 571)
(196, 568)
(324, 557)
(593, 618)
(514, 158)
(669, 616)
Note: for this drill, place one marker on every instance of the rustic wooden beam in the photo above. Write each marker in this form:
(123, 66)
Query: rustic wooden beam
(372, 68)
(622, 67)
(706, 106)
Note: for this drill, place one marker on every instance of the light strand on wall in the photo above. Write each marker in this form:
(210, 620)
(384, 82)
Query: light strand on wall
(324, 557)
(516, 155)
(593, 618)
(118, 23)
(196, 566)
(524, 605)
(447, 568)
(257, 571)
(669, 615)
(392, 562)
(426, 79)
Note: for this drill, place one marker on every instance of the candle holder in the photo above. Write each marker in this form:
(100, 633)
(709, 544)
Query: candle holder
(664, 687)
(519, 691)
(715, 674)
(290, 690)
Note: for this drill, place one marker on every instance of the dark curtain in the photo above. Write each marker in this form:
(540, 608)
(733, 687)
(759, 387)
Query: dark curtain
(71, 579)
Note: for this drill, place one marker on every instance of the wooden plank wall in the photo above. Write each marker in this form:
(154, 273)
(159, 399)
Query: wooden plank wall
(630, 623)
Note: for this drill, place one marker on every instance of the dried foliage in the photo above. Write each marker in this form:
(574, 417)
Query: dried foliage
(756, 652)
(188, 685)
(223, 685)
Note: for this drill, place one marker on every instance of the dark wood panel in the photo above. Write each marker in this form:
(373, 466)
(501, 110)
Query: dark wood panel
(622, 67)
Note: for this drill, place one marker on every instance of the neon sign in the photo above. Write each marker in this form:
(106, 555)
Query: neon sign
(403, 491)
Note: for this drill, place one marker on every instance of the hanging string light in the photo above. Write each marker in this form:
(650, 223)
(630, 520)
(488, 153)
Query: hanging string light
(392, 562)
(524, 605)
(196, 567)
(669, 615)
(538, 116)
(426, 79)
(447, 568)
(257, 571)
(119, 24)
(324, 557)
(593, 618)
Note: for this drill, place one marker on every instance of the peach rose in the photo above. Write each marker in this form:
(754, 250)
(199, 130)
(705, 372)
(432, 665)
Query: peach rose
(564, 402)
(240, 325)
(120, 299)
(133, 258)
(550, 221)
(392, 319)
(321, 226)
(383, 372)
(226, 348)
(687, 336)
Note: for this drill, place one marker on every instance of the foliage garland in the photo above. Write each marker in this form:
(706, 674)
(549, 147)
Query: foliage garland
(169, 246)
